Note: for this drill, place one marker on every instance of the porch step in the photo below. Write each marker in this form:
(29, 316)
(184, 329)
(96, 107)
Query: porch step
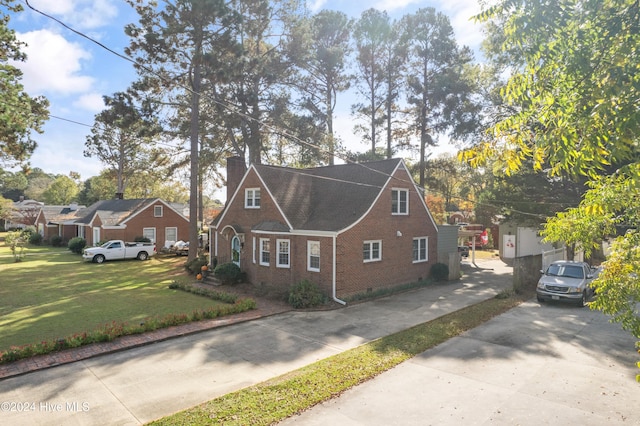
(212, 280)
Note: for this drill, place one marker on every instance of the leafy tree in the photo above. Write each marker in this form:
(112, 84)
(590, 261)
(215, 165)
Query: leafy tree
(371, 35)
(529, 196)
(437, 206)
(17, 241)
(19, 113)
(96, 188)
(12, 185)
(172, 46)
(324, 43)
(122, 138)
(62, 191)
(576, 109)
(39, 181)
(6, 208)
(381, 47)
(258, 74)
(438, 92)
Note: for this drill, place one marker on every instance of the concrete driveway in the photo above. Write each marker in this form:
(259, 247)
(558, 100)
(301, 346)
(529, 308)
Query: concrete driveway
(534, 362)
(538, 364)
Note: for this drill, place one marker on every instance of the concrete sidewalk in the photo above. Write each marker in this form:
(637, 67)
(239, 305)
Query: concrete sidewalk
(145, 383)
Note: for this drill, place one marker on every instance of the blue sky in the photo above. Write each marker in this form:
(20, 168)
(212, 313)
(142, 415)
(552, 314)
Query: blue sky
(74, 73)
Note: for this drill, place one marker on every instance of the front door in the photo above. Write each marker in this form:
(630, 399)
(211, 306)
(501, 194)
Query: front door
(235, 250)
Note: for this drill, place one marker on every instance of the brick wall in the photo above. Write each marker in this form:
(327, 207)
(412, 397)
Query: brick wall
(353, 275)
(396, 232)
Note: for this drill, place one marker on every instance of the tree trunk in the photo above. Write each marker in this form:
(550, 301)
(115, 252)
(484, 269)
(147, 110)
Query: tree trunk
(193, 183)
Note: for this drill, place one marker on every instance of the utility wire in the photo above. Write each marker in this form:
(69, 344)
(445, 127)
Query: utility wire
(230, 107)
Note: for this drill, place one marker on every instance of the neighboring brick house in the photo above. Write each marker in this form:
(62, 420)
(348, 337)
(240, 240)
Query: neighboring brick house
(350, 228)
(23, 213)
(58, 221)
(126, 219)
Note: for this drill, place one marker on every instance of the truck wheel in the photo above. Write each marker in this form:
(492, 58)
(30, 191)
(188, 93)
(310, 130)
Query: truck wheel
(98, 258)
(143, 255)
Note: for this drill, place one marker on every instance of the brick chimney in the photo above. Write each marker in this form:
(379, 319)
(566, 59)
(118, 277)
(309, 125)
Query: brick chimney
(236, 169)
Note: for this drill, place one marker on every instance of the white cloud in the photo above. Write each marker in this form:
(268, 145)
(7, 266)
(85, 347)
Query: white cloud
(316, 5)
(53, 64)
(391, 5)
(467, 32)
(80, 14)
(91, 102)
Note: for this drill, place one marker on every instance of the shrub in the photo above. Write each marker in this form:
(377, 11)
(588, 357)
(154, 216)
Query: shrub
(141, 239)
(56, 241)
(16, 241)
(29, 231)
(228, 273)
(440, 272)
(35, 239)
(77, 244)
(305, 294)
(215, 295)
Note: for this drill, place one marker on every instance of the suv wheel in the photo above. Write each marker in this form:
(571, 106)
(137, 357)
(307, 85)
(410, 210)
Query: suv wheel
(583, 300)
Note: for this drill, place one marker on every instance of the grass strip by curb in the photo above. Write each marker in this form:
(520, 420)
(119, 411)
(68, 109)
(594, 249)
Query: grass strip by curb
(294, 392)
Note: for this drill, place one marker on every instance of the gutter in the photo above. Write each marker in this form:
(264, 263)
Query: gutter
(334, 284)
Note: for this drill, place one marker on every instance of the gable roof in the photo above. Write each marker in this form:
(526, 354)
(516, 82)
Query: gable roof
(327, 198)
(116, 212)
(60, 214)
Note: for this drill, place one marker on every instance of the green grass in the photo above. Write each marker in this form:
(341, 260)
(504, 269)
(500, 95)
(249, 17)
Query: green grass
(52, 294)
(284, 396)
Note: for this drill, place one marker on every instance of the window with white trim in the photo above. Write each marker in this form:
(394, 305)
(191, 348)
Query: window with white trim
(313, 256)
(265, 251)
(372, 251)
(399, 201)
(157, 211)
(252, 198)
(149, 233)
(284, 251)
(420, 249)
(171, 234)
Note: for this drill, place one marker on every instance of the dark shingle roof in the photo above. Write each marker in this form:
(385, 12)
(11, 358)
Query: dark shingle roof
(61, 214)
(113, 212)
(326, 198)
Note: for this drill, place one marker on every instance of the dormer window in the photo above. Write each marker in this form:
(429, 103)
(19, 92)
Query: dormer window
(399, 201)
(252, 198)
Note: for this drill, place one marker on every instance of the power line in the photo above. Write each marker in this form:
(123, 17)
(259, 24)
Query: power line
(231, 108)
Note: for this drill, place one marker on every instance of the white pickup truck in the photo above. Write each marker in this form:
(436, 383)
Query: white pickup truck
(117, 250)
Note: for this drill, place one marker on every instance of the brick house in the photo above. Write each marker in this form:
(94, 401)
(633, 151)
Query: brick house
(126, 219)
(58, 221)
(349, 228)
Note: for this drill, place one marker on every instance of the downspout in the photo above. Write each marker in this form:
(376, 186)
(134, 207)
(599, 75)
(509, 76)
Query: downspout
(334, 284)
(215, 245)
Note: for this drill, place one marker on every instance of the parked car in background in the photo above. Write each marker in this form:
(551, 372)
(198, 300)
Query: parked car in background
(567, 281)
(464, 251)
(118, 250)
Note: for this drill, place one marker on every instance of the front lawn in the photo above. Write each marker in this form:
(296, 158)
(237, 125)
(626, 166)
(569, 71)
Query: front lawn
(52, 294)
